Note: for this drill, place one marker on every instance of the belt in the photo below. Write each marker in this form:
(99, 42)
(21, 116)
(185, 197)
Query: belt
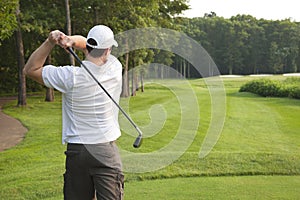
(79, 144)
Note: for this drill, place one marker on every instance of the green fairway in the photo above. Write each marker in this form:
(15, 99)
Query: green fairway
(256, 157)
(236, 187)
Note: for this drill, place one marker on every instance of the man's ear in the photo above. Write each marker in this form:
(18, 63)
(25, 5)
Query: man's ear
(107, 51)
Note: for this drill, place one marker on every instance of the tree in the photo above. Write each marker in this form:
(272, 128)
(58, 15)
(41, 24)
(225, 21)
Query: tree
(21, 62)
(138, 14)
(244, 45)
(69, 27)
(36, 24)
(8, 20)
(39, 17)
(241, 44)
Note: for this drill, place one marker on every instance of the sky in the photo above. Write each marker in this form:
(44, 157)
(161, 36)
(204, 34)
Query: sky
(266, 9)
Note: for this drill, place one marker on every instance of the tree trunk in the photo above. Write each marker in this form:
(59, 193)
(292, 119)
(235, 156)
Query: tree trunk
(188, 70)
(133, 85)
(230, 70)
(49, 95)
(21, 62)
(136, 81)
(184, 69)
(142, 81)
(125, 83)
(69, 30)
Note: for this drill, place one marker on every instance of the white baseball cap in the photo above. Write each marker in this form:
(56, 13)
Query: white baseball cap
(103, 36)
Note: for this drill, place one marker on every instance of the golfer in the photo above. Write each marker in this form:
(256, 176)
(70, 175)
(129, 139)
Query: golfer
(90, 119)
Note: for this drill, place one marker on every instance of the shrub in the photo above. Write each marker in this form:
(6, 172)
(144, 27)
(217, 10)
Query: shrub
(294, 92)
(292, 81)
(272, 88)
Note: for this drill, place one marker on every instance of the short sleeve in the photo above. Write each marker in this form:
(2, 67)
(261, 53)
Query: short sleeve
(60, 78)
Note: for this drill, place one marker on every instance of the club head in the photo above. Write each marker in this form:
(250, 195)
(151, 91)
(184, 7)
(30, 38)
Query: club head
(138, 142)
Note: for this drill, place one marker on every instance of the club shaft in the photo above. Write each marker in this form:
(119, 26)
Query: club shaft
(120, 108)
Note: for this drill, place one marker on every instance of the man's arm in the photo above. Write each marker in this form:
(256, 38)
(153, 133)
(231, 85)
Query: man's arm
(34, 66)
(79, 43)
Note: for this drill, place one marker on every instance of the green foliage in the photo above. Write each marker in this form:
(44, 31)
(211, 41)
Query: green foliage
(274, 88)
(239, 45)
(39, 17)
(293, 87)
(8, 22)
(246, 45)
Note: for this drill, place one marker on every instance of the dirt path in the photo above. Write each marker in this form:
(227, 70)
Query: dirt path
(11, 130)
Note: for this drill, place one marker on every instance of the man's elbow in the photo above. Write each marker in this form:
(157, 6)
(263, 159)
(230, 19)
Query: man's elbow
(30, 70)
(25, 70)
(33, 73)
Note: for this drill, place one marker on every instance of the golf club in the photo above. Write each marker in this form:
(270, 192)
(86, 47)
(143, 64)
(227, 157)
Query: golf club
(138, 141)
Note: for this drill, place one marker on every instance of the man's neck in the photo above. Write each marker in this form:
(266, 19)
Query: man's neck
(97, 61)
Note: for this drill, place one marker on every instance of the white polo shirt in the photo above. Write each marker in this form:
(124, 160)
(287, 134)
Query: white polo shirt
(88, 115)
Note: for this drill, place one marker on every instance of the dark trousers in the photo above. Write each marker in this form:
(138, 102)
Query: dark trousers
(93, 167)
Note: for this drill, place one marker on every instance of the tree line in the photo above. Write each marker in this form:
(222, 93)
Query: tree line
(239, 45)
(246, 45)
(32, 20)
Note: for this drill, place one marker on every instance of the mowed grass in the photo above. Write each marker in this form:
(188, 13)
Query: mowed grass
(261, 136)
(228, 187)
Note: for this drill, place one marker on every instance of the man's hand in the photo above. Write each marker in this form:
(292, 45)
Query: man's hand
(59, 38)
(34, 65)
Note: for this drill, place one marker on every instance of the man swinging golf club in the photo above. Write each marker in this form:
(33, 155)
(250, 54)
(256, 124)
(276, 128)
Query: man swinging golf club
(90, 119)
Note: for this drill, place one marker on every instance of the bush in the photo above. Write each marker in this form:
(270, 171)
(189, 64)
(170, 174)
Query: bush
(272, 88)
(294, 92)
